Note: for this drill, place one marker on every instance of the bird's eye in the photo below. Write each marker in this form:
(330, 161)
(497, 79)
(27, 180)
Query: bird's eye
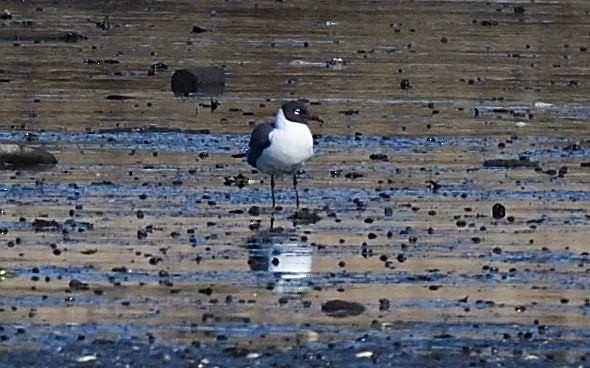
(297, 111)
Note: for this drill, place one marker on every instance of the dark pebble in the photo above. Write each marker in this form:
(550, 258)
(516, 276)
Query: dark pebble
(142, 234)
(197, 29)
(239, 181)
(78, 285)
(155, 260)
(304, 217)
(342, 308)
(353, 175)
(378, 157)
(519, 10)
(405, 84)
(384, 304)
(433, 185)
(498, 211)
(206, 291)
(254, 211)
(119, 97)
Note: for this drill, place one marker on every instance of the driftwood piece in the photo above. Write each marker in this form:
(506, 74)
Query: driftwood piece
(21, 156)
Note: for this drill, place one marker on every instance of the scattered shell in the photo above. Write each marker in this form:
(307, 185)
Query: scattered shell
(86, 358)
(306, 336)
(528, 356)
(364, 354)
(542, 104)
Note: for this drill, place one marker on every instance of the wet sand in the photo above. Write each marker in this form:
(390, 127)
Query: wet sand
(140, 247)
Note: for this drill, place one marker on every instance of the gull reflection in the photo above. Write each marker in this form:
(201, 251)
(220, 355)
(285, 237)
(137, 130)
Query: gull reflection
(282, 258)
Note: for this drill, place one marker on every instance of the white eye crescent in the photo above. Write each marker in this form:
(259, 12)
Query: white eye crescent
(297, 111)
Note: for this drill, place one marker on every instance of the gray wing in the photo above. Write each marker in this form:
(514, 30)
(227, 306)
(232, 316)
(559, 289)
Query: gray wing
(258, 142)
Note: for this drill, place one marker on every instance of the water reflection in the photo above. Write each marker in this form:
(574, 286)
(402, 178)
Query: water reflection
(282, 259)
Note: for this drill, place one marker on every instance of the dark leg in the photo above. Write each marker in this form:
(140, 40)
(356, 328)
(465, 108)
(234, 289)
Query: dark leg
(272, 189)
(295, 186)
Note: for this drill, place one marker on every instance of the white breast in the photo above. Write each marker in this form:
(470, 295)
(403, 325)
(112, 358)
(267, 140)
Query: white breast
(291, 144)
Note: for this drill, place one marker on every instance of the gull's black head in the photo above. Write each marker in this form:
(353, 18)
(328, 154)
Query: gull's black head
(297, 112)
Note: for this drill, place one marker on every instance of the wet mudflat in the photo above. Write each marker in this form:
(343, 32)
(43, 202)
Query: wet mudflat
(447, 206)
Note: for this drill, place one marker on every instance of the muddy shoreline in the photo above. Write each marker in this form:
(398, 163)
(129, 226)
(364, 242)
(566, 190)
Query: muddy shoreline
(447, 201)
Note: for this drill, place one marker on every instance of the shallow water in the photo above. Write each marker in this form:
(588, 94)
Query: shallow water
(160, 252)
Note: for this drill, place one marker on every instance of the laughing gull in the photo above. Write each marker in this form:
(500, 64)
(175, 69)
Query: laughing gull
(280, 148)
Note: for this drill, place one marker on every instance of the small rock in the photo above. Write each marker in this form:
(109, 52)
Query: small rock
(405, 84)
(254, 211)
(305, 217)
(78, 285)
(433, 185)
(197, 29)
(498, 211)
(239, 181)
(119, 97)
(353, 175)
(379, 157)
(519, 9)
(489, 23)
(341, 308)
(105, 25)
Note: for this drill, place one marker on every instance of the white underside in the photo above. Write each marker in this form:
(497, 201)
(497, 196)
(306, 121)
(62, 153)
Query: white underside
(291, 144)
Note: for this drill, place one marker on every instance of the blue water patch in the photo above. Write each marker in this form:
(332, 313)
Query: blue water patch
(44, 193)
(193, 142)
